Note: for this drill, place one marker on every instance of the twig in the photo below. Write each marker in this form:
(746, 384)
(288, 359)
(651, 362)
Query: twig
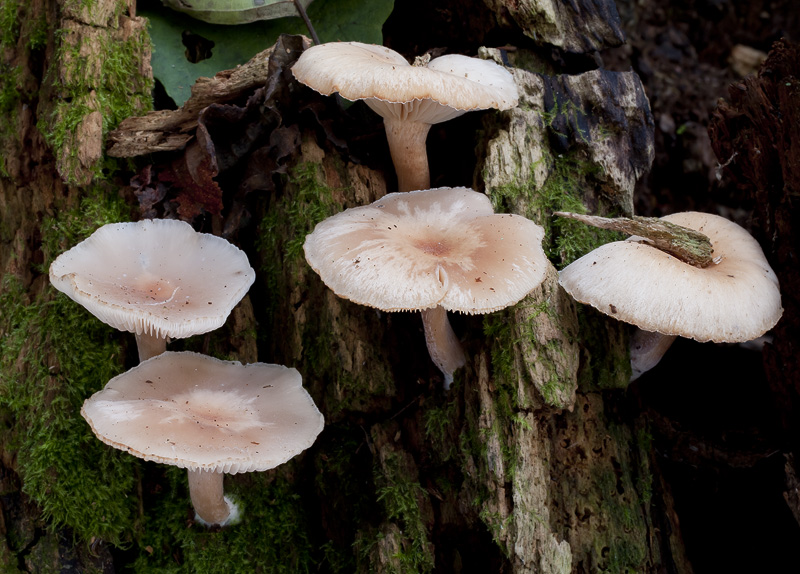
(686, 244)
(302, 11)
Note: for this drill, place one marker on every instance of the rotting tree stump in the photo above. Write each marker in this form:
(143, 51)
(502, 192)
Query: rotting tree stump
(756, 137)
(534, 462)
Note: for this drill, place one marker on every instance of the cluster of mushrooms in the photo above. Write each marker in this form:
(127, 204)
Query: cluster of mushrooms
(160, 279)
(461, 256)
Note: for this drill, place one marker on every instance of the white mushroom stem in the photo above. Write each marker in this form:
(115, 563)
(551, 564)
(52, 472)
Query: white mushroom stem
(208, 499)
(443, 345)
(150, 345)
(647, 348)
(409, 153)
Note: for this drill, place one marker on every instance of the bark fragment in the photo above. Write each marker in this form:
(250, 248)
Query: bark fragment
(578, 26)
(168, 130)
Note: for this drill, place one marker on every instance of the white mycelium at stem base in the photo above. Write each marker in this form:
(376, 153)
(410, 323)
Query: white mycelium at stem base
(408, 98)
(208, 416)
(157, 278)
(735, 299)
(210, 504)
(438, 250)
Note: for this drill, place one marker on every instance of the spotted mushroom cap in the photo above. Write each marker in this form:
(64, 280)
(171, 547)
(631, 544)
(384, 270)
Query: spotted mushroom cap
(156, 276)
(446, 88)
(734, 300)
(416, 250)
(201, 413)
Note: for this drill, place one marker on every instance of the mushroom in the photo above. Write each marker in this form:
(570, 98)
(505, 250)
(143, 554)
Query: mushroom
(734, 299)
(433, 250)
(208, 416)
(156, 278)
(408, 98)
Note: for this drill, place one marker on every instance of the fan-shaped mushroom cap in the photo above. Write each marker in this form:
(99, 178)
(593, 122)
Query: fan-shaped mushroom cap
(445, 88)
(201, 413)
(158, 277)
(735, 300)
(417, 250)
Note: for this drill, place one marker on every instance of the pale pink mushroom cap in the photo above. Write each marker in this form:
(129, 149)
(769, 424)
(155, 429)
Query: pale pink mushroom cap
(416, 250)
(735, 300)
(444, 89)
(157, 277)
(201, 413)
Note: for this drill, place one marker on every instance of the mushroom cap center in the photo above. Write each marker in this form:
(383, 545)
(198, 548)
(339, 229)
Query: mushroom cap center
(437, 248)
(226, 411)
(421, 249)
(143, 289)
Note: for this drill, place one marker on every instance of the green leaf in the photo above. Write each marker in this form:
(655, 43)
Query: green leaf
(236, 11)
(229, 46)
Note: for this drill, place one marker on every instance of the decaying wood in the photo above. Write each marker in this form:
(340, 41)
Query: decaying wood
(686, 244)
(578, 26)
(756, 137)
(170, 130)
(519, 468)
(792, 492)
(601, 121)
(85, 36)
(619, 141)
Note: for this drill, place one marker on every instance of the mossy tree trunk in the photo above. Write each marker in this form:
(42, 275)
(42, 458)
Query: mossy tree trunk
(70, 72)
(535, 461)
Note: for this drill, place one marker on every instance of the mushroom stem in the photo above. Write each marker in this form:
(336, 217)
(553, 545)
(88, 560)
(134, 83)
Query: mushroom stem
(409, 153)
(647, 348)
(443, 345)
(686, 244)
(150, 345)
(206, 492)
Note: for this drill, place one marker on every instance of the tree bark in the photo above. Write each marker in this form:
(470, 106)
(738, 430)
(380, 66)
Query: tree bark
(534, 461)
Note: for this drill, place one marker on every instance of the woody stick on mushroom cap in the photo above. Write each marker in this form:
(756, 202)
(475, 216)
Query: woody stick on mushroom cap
(735, 298)
(424, 250)
(408, 98)
(156, 278)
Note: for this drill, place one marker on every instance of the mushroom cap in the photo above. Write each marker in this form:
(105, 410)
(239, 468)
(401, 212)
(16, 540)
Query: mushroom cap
(735, 300)
(445, 88)
(157, 276)
(419, 249)
(201, 413)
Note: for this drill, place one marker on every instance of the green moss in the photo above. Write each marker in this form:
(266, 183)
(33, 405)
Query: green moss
(9, 22)
(644, 478)
(507, 332)
(101, 205)
(498, 525)
(283, 229)
(565, 239)
(606, 362)
(9, 95)
(53, 355)
(441, 427)
(574, 116)
(624, 557)
(64, 469)
(296, 215)
(271, 537)
(120, 90)
(623, 544)
(36, 38)
(400, 499)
